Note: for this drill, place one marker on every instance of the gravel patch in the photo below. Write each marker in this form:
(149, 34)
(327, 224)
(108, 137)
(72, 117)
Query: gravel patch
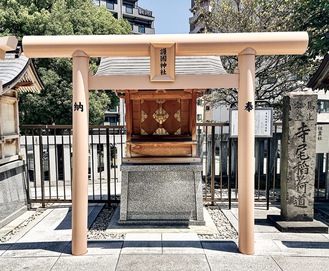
(21, 226)
(98, 228)
(224, 227)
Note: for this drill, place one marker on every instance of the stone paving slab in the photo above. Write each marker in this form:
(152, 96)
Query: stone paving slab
(163, 262)
(36, 249)
(215, 247)
(263, 225)
(88, 263)
(302, 263)
(304, 248)
(28, 263)
(162, 243)
(178, 243)
(266, 247)
(142, 243)
(3, 248)
(55, 226)
(241, 262)
(99, 247)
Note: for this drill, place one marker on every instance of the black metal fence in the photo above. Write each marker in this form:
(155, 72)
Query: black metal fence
(48, 153)
(48, 156)
(219, 155)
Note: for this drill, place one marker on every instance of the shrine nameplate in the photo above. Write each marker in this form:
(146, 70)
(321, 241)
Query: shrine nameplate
(162, 62)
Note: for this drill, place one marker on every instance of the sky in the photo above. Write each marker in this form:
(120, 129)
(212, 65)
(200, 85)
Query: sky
(171, 16)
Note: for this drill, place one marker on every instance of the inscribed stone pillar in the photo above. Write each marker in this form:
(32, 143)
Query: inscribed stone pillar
(298, 156)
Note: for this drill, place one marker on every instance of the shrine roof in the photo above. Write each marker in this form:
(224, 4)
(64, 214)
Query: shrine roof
(18, 72)
(141, 65)
(320, 80)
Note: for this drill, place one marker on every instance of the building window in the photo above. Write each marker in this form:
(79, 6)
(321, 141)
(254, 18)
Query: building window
(129, 9)
(199, 117)
(112, 120)
(110, 4)
(199, 101)
(323, 106)
(141, 28)
(207, 108)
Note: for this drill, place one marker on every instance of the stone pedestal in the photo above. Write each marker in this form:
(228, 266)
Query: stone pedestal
(161, 194)
(298, 156)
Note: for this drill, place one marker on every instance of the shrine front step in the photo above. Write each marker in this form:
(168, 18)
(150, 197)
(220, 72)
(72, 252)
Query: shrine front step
(161, 195)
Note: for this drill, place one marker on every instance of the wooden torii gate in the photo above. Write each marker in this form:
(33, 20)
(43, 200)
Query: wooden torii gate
(244, 45)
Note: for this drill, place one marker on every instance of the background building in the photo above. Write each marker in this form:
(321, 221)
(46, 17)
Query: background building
(140, 19)
(320, 83)
(205, 112)
(196, 24)
(142, 22)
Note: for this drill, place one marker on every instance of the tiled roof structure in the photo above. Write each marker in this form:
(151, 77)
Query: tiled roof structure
(320, 80)
(17, 72)
(141, 65)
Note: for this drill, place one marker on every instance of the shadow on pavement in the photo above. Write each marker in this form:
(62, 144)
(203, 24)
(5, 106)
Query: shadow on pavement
(301, 244)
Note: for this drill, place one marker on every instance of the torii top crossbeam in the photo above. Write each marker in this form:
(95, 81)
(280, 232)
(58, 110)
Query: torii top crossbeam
(243, 45)
(186, 44)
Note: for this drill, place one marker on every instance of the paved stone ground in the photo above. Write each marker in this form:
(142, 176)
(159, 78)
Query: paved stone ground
(44, 244)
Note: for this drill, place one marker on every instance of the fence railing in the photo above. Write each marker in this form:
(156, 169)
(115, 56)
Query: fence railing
(219, 157)
(48, 156)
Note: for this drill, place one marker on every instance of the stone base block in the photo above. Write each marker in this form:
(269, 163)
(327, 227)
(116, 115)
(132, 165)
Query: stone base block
(298, 226)
(13, 191)
(161, 194)
(163, 222)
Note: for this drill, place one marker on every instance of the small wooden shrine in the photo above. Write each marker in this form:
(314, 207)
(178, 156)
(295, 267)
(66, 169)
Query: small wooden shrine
(17, 74)
(161, 124)
(161, 169)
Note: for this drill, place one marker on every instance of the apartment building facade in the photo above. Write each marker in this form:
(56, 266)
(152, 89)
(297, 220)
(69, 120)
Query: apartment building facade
(140, 19)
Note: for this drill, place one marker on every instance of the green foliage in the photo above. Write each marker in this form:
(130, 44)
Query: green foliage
(313, 16)
(98, 105)
(72, 17)
(275, 75)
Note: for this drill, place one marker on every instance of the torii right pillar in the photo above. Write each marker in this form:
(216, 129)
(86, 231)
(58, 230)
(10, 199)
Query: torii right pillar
(246, 143)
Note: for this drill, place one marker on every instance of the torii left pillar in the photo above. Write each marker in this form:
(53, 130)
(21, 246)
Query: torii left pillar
(80, 152)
